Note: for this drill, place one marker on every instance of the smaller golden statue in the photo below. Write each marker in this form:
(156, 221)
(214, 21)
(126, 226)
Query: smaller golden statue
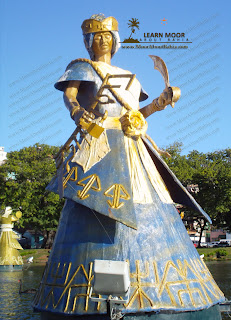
(10, 259)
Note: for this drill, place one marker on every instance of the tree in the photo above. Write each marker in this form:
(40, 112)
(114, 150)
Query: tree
(212, 172)
(23, 181)
(179, 164)
(133, 24)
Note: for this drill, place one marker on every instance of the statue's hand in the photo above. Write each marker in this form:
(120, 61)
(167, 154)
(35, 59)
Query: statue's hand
(169, 96)
(82, 117)
(87, 116)
(165, 98)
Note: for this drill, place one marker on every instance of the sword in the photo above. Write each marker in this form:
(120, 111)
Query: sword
(160, 65)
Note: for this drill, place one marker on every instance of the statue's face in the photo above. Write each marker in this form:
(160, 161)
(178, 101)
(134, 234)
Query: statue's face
(102, 43)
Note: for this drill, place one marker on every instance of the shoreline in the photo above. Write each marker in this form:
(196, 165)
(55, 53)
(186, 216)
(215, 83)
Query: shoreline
(210, 254)
(40, 256)
(215, 254)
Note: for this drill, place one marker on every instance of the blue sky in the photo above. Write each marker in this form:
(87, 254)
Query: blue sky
(39, 38)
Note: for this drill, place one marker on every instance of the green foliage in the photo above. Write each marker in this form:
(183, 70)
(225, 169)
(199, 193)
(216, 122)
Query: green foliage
(210, 254)
(212, 172)
(221, 253)
(23, 181)
(24, 253)
(179, 164)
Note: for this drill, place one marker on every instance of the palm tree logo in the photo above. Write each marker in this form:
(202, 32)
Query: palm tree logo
(133, 23)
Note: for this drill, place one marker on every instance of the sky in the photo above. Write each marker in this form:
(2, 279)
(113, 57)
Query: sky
(39, 38)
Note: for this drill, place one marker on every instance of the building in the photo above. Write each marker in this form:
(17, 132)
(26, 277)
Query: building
(2, 155)
(195, 236)
(217, 235)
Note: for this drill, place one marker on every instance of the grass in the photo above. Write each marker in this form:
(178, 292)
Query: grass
(40, 255)
(215, 253)
(27, 252)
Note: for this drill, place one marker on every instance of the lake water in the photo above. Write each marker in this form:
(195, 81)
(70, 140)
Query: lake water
(12, 304)
(221, 271)
(18, 307)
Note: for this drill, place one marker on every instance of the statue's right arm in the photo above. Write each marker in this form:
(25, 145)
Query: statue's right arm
(70, 99)
(72, 104)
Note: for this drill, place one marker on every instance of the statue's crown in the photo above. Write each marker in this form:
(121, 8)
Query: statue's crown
(98, 23)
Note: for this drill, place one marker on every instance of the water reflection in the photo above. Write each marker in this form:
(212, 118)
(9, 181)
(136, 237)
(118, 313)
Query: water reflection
(18, 307)
(12, 304)
(221, 271)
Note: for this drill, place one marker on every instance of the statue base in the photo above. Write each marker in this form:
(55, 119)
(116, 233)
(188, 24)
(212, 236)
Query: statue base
(212, 313)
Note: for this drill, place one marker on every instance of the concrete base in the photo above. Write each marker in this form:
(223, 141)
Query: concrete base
(213, 313)
(10, 268)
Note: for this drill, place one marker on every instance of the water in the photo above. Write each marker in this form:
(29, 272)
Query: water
(18, 307)
(221, 271)
(12, 304)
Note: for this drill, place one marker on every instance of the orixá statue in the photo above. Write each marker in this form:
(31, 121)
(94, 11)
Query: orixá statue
(120, 199)
(10, 259)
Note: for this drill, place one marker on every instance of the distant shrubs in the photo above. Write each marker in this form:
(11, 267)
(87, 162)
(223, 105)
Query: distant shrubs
(221, 253)
(218, 254)
(210, 254)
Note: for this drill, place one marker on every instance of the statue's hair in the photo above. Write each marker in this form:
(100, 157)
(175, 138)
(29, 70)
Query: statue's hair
(88, 41)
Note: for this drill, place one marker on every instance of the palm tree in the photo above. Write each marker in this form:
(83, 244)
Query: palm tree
(133, 23)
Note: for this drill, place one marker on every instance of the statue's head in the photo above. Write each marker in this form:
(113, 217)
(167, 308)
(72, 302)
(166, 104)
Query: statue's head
(6, 212)
(100, 27)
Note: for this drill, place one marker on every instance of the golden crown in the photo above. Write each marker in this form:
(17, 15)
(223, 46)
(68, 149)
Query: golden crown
(97, 24)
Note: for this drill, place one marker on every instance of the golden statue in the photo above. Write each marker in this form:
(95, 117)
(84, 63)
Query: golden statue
(10, 259)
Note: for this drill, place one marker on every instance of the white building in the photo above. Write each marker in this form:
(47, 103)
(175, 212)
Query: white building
(2, 155)
(228, 236)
